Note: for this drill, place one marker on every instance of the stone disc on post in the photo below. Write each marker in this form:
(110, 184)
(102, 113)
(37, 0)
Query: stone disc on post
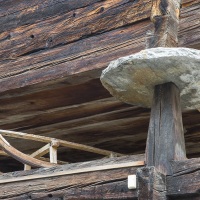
(132, 78)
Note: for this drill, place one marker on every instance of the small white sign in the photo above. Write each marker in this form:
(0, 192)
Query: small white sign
(132, 182)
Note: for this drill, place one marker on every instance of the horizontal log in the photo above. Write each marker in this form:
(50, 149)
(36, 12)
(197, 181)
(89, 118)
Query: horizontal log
(185, 166)
(88, 185)
(72, 26)
(184, 183)
(35, 118)
(16, 13)
(189, 30)
(87, 55)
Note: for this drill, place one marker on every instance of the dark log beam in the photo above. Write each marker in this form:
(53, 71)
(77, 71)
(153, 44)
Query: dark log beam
(78, 21)
(151, 184)
(165, 141)
(184, 183)
(110, 183)
(189, 30)
(89, 55)
(86, 55)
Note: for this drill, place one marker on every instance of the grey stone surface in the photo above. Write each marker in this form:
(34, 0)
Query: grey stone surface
(132, 78)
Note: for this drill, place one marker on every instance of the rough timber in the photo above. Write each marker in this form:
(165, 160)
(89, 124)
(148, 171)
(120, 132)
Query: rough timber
(52, 54)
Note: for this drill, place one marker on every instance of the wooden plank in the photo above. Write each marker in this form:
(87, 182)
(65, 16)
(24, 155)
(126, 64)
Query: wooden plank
(103, 184)
(184, 183)
(76, 171)
(57, 67)
(66, 28)
(151, 184)
(28, 12)
(61, 142)
(165, 137)
(189, 30)
(68, 60)
(185, 166)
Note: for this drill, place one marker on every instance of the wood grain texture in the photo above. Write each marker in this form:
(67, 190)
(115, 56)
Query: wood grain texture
(165, 16)
(108, 184)
(29, 12)
(87, 55)
(189, 30)
(40, 85)
(151, 184)
(72, 26)
(165, 136)
(184, 184)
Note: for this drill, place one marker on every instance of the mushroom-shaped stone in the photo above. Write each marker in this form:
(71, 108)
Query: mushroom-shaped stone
(132, 78)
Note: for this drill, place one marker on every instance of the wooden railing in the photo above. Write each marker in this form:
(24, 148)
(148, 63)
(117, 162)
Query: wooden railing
(35, 159)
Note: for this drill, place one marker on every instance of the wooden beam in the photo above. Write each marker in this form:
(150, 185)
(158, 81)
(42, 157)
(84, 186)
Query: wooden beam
(67, 60)
(165, 16)
(77, 171)
(184, 183)
(100, 179)
(23, 12)
(67, 54)
(165, 136)
(70, 26)
(189, 29)
(40, 67)
(61, 142)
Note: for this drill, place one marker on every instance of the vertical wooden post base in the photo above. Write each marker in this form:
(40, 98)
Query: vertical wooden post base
(165, 140)
(151, 184)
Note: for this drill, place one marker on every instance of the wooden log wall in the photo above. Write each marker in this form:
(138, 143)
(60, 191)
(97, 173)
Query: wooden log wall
(61, 42)
(101, 184)
(52, 54)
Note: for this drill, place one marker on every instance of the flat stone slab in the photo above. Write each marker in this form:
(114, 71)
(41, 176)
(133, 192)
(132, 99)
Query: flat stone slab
(131, 79)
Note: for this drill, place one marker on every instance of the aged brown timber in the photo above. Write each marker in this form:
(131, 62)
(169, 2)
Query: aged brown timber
(72, 26)
(86, 55)
(105, 184)
(184, 184)
(165, 16)
(165, 137)
(19, 12)
(189, 30)
(151, 184)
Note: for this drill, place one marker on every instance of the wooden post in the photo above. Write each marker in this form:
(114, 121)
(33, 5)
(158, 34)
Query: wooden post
(53, 151)
(165, 141)
(151, 184)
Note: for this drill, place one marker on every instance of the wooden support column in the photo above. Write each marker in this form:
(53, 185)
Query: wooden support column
(165, 141)
(151, 184)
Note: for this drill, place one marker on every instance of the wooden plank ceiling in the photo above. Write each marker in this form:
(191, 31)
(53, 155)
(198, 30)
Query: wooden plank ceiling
(52, 53)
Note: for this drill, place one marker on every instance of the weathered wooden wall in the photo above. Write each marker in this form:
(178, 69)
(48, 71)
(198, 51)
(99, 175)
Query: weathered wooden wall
(101, 184)
(52, 54)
